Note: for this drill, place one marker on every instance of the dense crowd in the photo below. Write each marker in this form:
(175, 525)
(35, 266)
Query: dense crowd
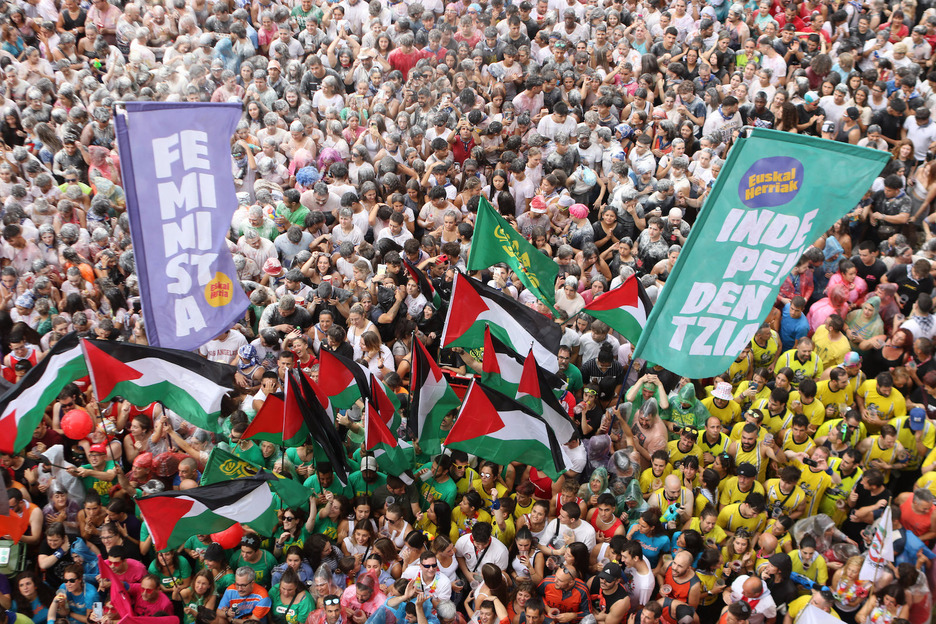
(370, 133)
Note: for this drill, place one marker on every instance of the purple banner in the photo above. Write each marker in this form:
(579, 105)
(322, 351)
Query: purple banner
(175, 160)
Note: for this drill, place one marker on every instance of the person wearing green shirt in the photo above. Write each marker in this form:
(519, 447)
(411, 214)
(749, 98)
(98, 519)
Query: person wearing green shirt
(571, 372)
(324, 481)
(292, 604)
(259, 223)
(365, 481)
(216, 562)
(306, 11)
(294, 532)
(195, 548)
(254, 557)
(437, 483)
(290, 211)
(98, 474)
(171, 570)
(245, 449)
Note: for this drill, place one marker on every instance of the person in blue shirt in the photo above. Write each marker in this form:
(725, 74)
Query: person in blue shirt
(649, 531)
(31, 596)
(79, 596)
(793, 323)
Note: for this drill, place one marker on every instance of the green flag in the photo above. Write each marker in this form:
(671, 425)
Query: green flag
(225, 466)
(496, 241)
(760, 217)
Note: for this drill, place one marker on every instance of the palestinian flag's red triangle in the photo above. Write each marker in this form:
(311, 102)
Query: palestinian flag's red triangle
(529, 380)
(106, 371)
(377, 431)
(478, 417)
(626, 295)
(381, 402)
(470, 306)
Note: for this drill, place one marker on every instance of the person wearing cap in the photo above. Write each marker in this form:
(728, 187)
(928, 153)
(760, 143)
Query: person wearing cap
(99, 473)
(612, 598)
(736, 489)
(367, 480)
(253, 556)
(810, 115)
(917, 434)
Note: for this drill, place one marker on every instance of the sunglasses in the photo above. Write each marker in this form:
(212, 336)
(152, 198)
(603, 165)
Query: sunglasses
(430, 566)
(71, 580)
(331, 602)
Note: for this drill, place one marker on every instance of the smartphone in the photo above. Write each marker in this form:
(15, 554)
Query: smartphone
(381, 269)
(98, 610)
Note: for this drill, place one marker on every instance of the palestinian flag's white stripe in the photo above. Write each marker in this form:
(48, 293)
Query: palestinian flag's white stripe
(245, 509)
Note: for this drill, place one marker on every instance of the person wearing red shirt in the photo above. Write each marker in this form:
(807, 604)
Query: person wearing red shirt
(405, 57)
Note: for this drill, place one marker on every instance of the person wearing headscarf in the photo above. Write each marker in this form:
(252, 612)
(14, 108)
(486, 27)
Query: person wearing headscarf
(864, 322)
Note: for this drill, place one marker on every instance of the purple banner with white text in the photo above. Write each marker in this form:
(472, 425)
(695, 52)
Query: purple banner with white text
(175, 160)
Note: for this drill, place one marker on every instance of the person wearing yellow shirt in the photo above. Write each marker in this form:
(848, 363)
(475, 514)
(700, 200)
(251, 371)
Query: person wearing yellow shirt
(849, 429)
(683, 447)
(722, 404)
(736, 489)
(803, 401)
(846, 472)
(926, 482)
(776, 414)
(706, 523)
(802, 360)
(878, 401)
(523, 500)
(756, 389)
(831, 344)
(712, 440)
(673, 494)
(823, 600)
(796, 439)
(462, 474)
(651, 479)
(469, 511)
(883, 452)
(917, 434)
(784, 495)
(505, 530)
(835, 392)
(814, 479)
(755, 416)
(748, 515)
(808, 562)
(740, 369)
(765, 347)
(780, 529)
(753, 451)
(487, 480)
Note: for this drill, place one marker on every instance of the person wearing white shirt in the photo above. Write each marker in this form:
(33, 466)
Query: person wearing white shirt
(752, 590)
(641, 573)
(436, 586)
(474, 549)
(567, 527)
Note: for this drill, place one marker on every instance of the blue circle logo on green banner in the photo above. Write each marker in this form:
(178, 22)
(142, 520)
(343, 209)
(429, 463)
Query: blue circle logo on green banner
(772, 181)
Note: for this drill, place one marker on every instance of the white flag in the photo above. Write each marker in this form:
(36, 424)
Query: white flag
(811, 614)
(881, 549)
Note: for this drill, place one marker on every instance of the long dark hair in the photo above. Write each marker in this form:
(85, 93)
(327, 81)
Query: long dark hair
(43, 593)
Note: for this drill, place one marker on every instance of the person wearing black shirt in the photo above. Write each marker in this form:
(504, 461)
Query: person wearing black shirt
(866, 503)
(891, 120)
(757, 114)
(870, 267)
(605, 372)
(810, 115)
(911, 280)
(776, 573)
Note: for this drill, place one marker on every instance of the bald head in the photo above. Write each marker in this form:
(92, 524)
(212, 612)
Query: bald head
(752, 587)
(682, 564)
(768, 543)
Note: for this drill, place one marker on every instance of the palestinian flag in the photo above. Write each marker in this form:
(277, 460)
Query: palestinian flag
(344, 381)
(536, 392)
(625, 309)
(279, 421)
(23, 405)
(173, 517)
(320, 423)
(473, 305)
(432, 399)
(184, 382)
(425, 286)
(388, 410)
(394, 456)
(495, 427)
(501, 366)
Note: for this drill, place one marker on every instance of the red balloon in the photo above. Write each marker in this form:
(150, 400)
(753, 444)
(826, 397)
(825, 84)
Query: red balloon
(230, 537)
(77, 424)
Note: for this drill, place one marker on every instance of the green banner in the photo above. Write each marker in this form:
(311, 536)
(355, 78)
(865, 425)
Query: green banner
(496, 241)
(760, 217)
(225, 466)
